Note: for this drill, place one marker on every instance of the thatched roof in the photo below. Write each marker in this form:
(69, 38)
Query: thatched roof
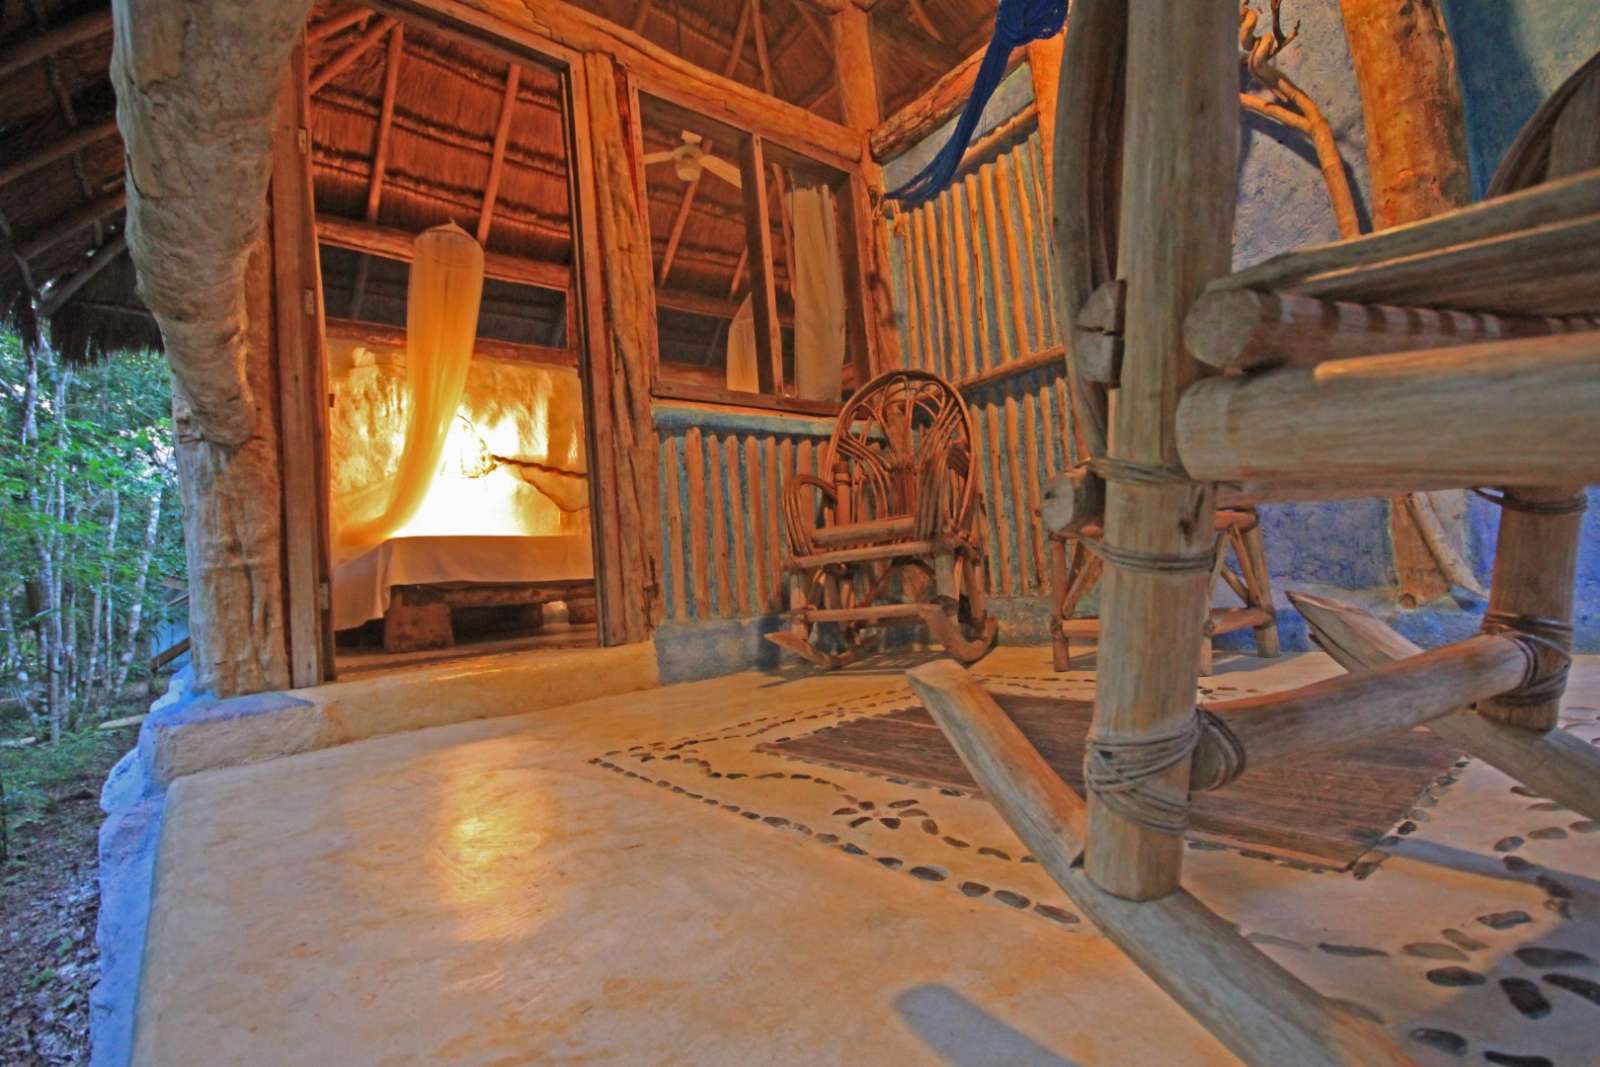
(61, 163)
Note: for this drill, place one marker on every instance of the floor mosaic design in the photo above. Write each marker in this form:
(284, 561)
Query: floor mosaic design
(1509, 978)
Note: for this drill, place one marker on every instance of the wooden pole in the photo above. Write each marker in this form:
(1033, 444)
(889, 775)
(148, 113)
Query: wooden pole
(763, 290)
(1087, 165)
(380, 151)
(1536, 552)
(497, 158)
(1245, 329)
(1262, 1013)
(1044, 66)
(1442, 416)
(1177, 229)
(1552, 763)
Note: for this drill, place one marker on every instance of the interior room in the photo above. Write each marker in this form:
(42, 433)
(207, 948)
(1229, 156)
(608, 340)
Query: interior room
(848, 531)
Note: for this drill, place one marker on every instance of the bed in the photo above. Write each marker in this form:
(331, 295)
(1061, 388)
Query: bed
(441, 572)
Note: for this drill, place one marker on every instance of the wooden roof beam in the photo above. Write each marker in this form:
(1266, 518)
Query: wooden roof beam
(497, 158)
(737, 47)
(53, 40)
(678, 223)
(64, 290)
(380, 152)
(512, 23)
(932, 53)
(330, 26)
(933, 108)
(341, 62)
(390, 243)
(59, 229)
(78, 139)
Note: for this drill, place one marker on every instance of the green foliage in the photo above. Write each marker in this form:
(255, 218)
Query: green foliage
(86, 459)
(34, 773)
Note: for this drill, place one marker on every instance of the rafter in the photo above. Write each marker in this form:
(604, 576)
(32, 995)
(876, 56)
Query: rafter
(53, 40)
(330, 26)
(380, 151)
(341, 62)
(936, 56)
(919, 15)
(66, 289)
(640, 13)
(59, 229)
(78, 139)
(689, 190)
(497, 161)
(737, 46)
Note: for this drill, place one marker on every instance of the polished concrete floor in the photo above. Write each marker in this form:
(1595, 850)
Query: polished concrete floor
(632, 880)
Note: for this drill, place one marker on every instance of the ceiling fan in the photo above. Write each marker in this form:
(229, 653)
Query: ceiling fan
(690, 157)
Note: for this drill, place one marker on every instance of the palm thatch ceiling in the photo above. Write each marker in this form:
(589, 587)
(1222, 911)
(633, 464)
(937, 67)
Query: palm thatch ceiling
(61, 165)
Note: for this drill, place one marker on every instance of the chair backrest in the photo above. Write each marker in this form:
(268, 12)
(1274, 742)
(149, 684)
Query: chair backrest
(905, 442)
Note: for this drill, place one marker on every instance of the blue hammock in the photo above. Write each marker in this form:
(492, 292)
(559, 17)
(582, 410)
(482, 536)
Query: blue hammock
(1016, 22)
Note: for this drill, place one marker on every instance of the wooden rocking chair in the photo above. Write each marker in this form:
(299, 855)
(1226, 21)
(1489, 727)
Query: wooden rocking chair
(1075, 570)
(899, 536)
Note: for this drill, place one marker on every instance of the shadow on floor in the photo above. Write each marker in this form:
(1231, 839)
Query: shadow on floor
(963, 1034)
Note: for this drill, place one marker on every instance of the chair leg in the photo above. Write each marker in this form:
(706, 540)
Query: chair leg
(1253, 561)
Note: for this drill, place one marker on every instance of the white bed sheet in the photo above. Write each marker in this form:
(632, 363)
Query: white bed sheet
(361, 586)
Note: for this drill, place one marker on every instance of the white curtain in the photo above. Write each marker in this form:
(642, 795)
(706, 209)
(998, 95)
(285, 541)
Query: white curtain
(442, 299)
(818, 294)
(818, 286)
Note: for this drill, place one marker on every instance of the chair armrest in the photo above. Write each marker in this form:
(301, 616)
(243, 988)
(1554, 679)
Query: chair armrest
(799, 511)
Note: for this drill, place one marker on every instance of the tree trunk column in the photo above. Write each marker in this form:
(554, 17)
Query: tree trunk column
(232, 523)
(1177, 227)
(1417, 157)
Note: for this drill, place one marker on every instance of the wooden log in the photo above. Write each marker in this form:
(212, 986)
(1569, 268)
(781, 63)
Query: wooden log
(510, 26)
(961, 250)
(1474, 250)
(346, 58)
(694, 464)
(1087, 164)
(1246, 329)
(740, 560)
(1036, 157)
(972, 245)
(1010, 346)
(1252, 556)
(1354, 710)
(1072, 499)
(760, 578)
(1028, 240)
(763, 288)
(1258, 1010)
(932, 109)
(922, 251)
(1411, 101)
(302, 388)
(390, 243)
(65, 289)
(1004, 529)
(377, 333)
(944, 267)
(44, 45)
(1536, 555)
(380, 149)
(772, 454)
(1176, 236)
(1553, 763)
(672, 508)
(1044, 67)
(1011, 238)
(60, 228)
(41, 157)
(497, 155)
(1442, 415)
(718, 516)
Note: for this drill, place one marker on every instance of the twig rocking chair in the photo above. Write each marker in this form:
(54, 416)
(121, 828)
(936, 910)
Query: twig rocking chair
(897, 536)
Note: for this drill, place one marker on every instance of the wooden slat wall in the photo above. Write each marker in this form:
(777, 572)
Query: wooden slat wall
(722, 539)
(973, 277)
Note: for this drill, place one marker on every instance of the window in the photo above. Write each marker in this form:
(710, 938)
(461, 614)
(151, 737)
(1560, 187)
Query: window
(747, 241)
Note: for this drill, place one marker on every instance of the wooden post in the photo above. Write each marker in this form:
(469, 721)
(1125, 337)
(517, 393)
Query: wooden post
(618, 280)
(1536, 553)
(763, 291)
(301, 366)
(1044, 64)
(870, 322)
(1177, 228)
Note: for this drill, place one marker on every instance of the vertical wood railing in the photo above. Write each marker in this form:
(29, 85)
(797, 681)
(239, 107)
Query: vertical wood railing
(972, 278)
